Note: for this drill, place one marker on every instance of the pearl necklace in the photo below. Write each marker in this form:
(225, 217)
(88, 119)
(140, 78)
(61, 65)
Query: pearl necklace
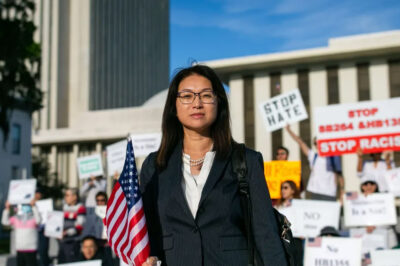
(193, 162)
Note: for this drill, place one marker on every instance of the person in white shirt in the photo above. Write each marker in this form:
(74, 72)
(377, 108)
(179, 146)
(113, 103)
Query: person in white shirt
(375, 169)
(90, 189)
(326, 172)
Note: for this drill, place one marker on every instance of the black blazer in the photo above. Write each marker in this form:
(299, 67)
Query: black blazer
(216, 236)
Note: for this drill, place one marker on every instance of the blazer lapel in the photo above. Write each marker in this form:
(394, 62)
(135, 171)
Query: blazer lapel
(174, 174)
(215, 174)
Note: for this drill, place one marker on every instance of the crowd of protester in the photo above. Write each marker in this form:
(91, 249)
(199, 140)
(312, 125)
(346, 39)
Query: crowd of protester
(84, 237)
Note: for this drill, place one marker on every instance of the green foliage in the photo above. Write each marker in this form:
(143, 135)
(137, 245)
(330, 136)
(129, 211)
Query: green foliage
(19, 59)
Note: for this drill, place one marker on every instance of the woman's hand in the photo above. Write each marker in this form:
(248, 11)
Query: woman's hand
(151, 261)
(7, 205)
(359, 152)
(370, 229)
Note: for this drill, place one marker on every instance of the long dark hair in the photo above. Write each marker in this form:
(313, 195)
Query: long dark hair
(172, 130)
(292, 185)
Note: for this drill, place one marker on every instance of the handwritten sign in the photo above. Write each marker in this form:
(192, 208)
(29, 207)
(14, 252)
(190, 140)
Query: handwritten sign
(284, 109)
(377, 239)
(374, 209)
(145, 143)
(116, 157)
(332, 251)
(276, 172)
(44, 206)
(308, 217)
(55, 224)
(21, 191)
(374, 126)
(90, 166)
(392, 178)
(389, 257)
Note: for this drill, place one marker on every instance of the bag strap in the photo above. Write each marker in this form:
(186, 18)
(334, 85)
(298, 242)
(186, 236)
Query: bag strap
(239, 168)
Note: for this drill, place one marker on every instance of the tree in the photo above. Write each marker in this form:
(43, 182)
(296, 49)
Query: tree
(19, 60)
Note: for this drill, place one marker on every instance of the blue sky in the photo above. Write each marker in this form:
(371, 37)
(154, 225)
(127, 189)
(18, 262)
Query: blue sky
(214, 29)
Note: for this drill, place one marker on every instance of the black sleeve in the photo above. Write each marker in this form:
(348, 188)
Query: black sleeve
(265, 229)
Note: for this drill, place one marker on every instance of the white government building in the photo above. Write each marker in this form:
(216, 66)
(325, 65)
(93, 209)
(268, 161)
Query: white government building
(349, 69)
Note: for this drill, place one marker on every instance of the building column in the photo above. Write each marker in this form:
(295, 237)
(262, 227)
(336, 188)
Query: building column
(288, 83)
(54, 64)
(348, 93)
(318, 91)
(45, 61)
(379, 80)
(236, 105)
(73, 169)
(261, 94)
(53, 159)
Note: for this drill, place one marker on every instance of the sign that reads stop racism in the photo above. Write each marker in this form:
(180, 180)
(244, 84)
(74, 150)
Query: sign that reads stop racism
(374, 126)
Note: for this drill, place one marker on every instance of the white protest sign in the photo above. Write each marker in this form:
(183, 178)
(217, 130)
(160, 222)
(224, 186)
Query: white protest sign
(308, 217)
(282, 110)
(83, 263)
(21, 191)
(392, 178)
(55, 224)
(388, 257)
(374, 209)
(374, 126)
(90, 166)
(100, 211)
(116, 157)
(44, 206)
(332, 251)
(377, 239)
(145, 143)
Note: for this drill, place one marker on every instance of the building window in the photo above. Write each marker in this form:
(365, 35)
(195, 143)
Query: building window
(15, 172)
(333, 85)
(16, 139)
(363, 82)
(275, 86)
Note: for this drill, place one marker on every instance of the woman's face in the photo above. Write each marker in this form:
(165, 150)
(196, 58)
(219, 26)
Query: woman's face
(368, 188)
(286, 191)
(200, 114)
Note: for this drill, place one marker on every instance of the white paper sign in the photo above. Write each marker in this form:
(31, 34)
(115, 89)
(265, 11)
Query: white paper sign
(100, 211)
(308, 217)
(282, 110)
(83, 263)
(332, 251)
(375, 209)
(90, 166)
(21, 191)
(145, 143)
(370, 241)
(44, 206)
(374, 126)
(392, 178)
(389, 257)
(116, 157)
(55, 224)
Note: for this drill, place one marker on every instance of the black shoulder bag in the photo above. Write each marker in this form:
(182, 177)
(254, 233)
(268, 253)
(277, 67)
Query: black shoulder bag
(239, 168)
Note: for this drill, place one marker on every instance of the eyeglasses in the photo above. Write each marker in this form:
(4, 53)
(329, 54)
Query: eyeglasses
(281, 153)
(187, 97)
(100, 200)
(284, 187)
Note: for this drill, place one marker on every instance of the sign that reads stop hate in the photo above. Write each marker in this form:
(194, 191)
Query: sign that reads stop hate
(374, 126)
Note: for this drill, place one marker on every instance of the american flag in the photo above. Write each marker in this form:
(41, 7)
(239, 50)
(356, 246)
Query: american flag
(351, 195)
(125, 220)
(314, 242)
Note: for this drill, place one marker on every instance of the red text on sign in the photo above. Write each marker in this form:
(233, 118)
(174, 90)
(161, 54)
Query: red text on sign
(363, 112)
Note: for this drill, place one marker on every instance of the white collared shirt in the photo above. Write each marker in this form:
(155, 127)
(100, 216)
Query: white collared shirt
(193, 185)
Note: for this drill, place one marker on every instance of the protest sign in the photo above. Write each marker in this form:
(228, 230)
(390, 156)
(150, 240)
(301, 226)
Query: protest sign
(145, 143)
(100, 211)
(388, 257)
(374, 209)
(83, 263)
(90, 166)
(308, 217)
(374, 126)
(21, 191)
(115, 157)
(282, 110)
(55, 224)
(44, 206)
(277, 172)
(392, 178)
(377, 239)
(332, 251)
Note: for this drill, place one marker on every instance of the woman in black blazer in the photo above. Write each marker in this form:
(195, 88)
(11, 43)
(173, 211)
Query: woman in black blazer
(190, 193)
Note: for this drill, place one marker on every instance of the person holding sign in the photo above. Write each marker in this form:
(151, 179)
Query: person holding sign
(326, 172)
(90, 188)
(375, 169)
(190, 193)
(25, 224)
